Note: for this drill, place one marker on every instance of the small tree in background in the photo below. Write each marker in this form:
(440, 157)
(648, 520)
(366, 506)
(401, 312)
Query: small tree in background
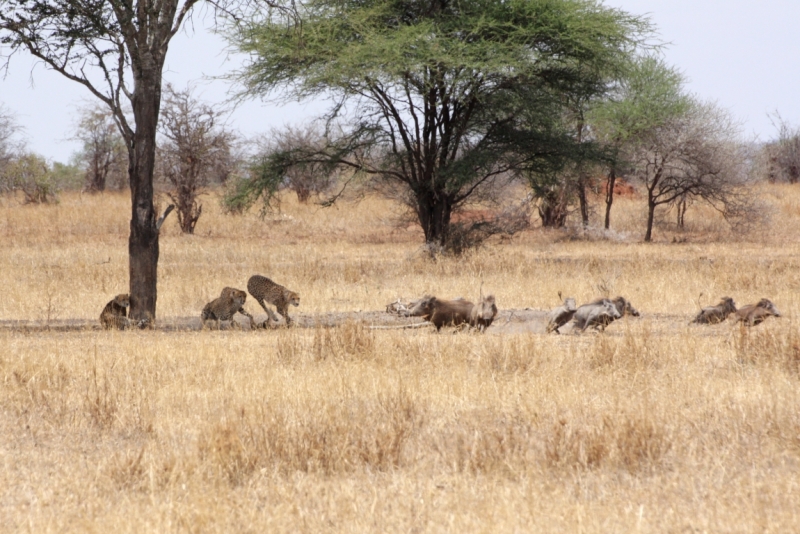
(195, 151)
(694, 155)
(31, 175)
(306, 178)
(783, 155)
(103, 155)
(647, 96)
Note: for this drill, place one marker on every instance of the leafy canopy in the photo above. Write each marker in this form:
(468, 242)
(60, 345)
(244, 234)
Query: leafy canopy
(443, 96)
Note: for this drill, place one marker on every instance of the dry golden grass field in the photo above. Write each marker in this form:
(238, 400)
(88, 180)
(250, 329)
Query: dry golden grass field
(654, 426)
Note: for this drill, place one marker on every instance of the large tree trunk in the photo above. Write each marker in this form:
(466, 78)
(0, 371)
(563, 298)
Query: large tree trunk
(434, 212)
(143, 241)
(610, 181)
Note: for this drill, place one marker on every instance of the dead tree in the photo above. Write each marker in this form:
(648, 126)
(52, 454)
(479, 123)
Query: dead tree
(694, 155)
(195, 151)
(103, 150)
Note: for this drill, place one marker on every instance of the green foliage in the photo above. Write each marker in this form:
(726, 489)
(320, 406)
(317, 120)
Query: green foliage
(31, 175)
(68, 176)
(441, 98)
(650, 94)
(265, 175)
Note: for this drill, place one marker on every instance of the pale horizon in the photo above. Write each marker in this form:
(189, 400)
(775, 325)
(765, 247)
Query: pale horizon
(733, 53)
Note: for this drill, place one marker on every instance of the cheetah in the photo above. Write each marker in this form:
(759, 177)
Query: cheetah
(223, 308)
(264, 289)
(115, 314)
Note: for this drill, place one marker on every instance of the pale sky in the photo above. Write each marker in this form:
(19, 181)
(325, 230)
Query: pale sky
(742, 54)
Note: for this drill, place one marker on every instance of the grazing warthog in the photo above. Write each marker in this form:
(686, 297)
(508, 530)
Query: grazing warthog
(454, 312)
(754, 314)
(561, 315)
(716, 314)
(483, 313)
(597, 314)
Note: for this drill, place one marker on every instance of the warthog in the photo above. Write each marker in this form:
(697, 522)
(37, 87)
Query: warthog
(621, 304)
(454, 312)
(483, 313)
(561, 315)
(715, 314)
(597, 314)
(754, 314)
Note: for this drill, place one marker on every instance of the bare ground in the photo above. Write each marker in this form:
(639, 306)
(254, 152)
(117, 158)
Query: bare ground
(509, 321)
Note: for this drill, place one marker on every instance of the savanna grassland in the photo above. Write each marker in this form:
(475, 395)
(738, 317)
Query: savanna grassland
(654, 426)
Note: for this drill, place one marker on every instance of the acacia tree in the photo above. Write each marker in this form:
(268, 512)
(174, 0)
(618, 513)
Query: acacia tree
(116, 49)
(103, 151)
(441, 98)
(649, 94)
(696, 154)
(195, 151)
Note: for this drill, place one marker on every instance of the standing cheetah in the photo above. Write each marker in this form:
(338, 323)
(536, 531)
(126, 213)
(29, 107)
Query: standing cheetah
(223, 308)
(264, 289)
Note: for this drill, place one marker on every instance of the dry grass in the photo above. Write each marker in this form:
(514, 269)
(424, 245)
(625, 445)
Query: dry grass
(654, 426)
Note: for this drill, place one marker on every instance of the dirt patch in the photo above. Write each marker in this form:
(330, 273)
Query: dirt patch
(509, 321)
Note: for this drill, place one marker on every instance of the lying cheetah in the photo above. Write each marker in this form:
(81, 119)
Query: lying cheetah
(223, 308)
(264, 289)
(115, 314)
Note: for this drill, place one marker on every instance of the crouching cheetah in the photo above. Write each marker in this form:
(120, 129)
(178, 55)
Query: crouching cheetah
(223, 308)
(115, 314)
(264, 289)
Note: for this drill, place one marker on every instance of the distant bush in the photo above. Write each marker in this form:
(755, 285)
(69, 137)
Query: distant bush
(32, 175)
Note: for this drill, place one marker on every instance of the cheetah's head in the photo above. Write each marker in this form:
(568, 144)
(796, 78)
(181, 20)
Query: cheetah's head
(123, 300)
(294, 299)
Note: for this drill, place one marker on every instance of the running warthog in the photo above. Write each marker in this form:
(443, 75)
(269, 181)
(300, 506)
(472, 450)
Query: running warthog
(754, 314)
(483, 313)
(597, 314)
(621, 304)
(561, 315)
(454, 312)
(716, 314)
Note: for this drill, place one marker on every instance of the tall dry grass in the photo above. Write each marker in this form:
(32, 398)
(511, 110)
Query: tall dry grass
(654, 426)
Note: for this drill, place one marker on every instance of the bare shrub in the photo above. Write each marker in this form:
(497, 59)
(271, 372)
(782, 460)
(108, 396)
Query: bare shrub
(695, 155)
(195, 152)
(103, 154)
(783, 155)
